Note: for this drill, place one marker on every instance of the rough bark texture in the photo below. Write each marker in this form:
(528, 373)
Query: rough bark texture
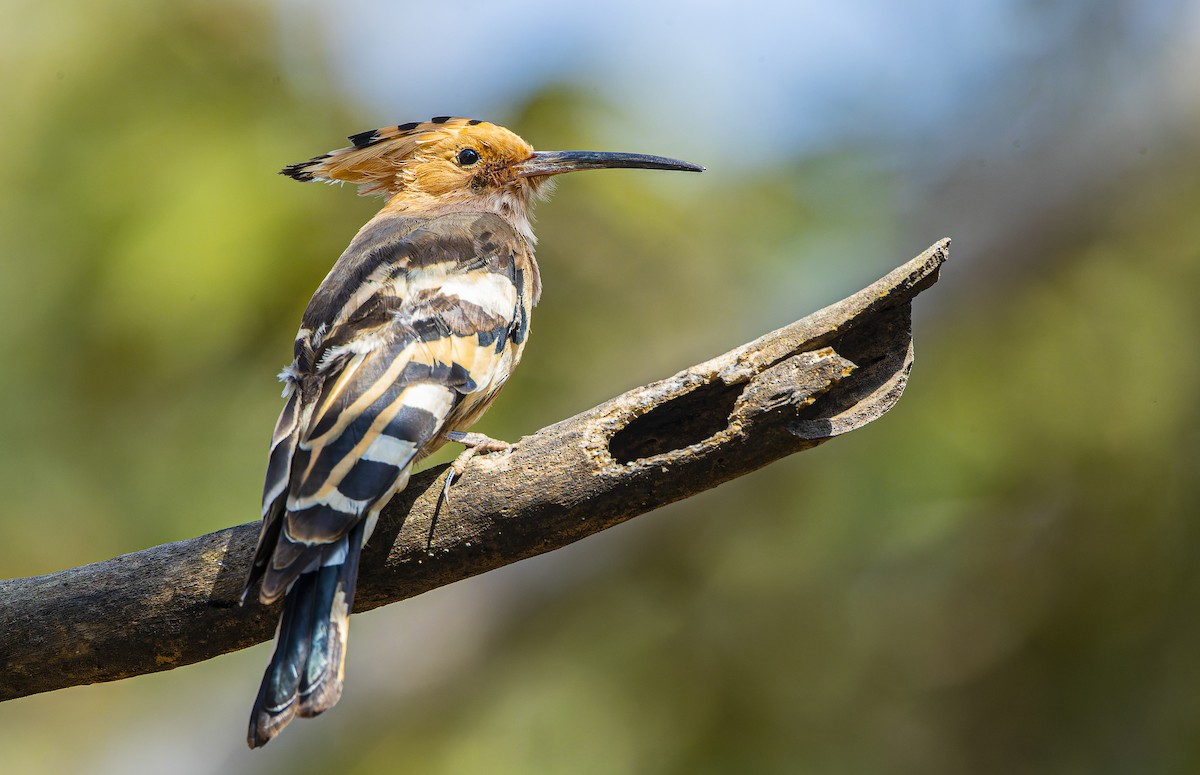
(172, 605)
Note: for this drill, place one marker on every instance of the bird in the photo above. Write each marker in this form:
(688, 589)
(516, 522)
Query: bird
(405, 343)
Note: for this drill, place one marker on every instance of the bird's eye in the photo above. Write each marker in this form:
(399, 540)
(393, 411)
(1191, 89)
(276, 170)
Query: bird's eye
(468, 156)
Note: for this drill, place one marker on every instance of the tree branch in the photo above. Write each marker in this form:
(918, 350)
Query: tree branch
(172, 605)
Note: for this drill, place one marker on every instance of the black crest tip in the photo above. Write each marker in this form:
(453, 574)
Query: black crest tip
(364, 139)
(297, 172)
(302, 171)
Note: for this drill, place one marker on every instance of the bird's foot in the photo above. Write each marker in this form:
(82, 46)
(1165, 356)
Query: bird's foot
(475, 444)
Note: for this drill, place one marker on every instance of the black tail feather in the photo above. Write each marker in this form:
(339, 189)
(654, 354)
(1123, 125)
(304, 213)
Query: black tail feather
(321, 685)
(304, 676)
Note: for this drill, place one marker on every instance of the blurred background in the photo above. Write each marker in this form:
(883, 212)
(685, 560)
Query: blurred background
(1000, 576)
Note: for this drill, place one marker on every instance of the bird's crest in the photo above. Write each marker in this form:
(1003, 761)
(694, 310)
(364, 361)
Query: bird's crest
(378, 155)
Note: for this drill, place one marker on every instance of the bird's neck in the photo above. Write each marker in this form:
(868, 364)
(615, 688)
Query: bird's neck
(512, 206)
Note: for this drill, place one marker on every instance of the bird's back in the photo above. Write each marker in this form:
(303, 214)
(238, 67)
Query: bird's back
(411, 334)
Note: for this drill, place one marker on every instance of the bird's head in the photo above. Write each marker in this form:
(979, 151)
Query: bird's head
(448, 164)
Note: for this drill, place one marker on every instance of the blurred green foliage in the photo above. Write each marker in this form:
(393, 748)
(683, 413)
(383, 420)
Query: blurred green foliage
(1000, 576)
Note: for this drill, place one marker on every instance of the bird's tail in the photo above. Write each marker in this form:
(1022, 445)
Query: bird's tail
(304, 676)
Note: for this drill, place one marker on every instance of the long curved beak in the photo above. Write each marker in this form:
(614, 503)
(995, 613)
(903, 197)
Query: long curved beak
(544, 163)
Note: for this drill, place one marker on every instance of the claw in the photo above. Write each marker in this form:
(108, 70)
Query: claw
(450, 475)
(475, 443)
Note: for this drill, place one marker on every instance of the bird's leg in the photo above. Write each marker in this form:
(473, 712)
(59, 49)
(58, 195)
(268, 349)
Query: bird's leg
(475, 443)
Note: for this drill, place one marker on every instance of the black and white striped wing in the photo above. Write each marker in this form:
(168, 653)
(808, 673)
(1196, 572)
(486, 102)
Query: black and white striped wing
(417, 320)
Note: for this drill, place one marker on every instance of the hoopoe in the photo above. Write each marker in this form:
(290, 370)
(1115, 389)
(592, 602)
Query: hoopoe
(405, 344)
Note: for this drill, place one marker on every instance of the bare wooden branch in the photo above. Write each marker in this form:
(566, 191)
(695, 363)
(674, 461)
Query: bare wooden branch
(788, 391)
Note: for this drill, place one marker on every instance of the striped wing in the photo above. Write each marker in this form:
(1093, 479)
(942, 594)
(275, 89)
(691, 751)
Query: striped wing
(418, 324)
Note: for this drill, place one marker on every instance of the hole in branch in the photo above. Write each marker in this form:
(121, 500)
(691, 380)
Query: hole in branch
(681, 422)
